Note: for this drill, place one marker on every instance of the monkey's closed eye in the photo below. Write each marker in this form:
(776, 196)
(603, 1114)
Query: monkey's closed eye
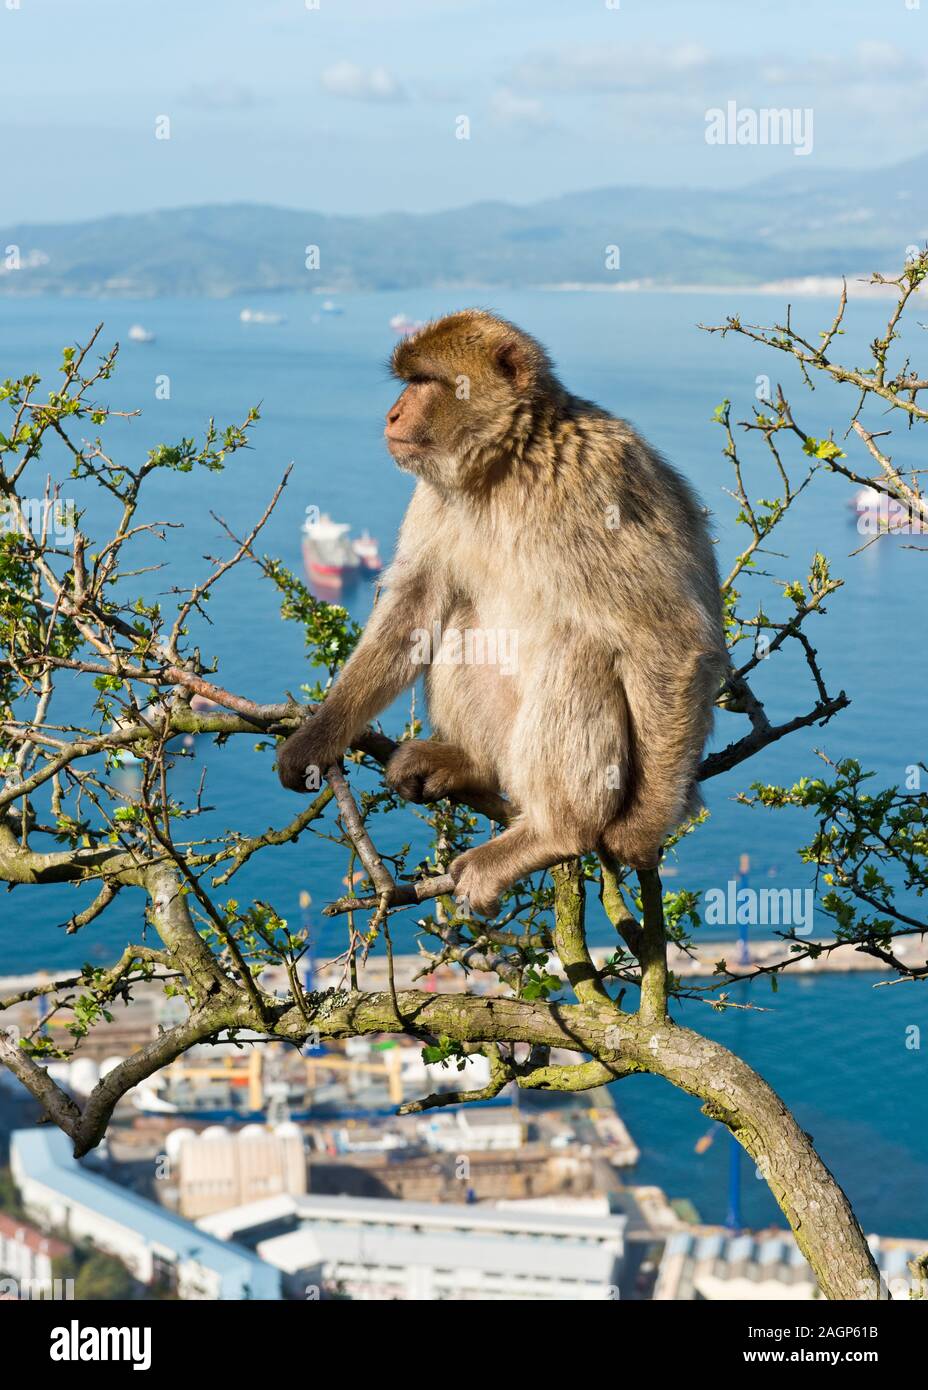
(420, 380)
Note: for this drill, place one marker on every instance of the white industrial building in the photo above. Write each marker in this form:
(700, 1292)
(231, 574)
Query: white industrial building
(368, 1248)
(474, 1130)
(715, 1265)
(66, 1196)
(223, 1168)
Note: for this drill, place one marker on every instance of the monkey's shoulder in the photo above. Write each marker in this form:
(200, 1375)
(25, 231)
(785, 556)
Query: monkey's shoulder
(610, 469)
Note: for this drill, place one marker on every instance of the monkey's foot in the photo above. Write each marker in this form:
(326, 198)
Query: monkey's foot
(482, 873)
(427, 770)
(475, 882)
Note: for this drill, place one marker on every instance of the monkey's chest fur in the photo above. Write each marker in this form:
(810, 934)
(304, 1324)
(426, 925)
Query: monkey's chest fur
(520, 678)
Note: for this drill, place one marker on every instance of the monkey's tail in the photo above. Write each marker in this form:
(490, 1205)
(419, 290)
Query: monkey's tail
(671, 715)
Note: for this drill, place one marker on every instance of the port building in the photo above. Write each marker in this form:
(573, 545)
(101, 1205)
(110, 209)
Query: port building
(79, 1204)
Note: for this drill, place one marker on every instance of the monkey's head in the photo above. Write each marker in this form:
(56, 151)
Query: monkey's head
(470, 378)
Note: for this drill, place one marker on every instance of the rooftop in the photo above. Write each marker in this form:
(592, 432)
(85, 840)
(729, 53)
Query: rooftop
(763, 1256)
(454, 1252)
(35, 1240)
(45, 1156)
(512, 1219)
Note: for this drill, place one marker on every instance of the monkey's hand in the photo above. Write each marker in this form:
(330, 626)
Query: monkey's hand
(303, 760)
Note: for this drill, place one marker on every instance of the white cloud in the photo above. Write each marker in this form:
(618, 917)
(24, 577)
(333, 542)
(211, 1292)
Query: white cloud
(361, 84)
(220, 95)
(870, 60)
(611, 68)
(683, 68)
(878, 56)
(510, 109)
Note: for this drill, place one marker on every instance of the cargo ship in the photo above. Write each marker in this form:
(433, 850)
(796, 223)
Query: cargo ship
(331, 556)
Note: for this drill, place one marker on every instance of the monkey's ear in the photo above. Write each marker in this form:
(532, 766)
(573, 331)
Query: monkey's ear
(515, 362)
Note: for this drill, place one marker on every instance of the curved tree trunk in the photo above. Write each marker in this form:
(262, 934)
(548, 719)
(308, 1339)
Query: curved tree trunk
(813, 1202)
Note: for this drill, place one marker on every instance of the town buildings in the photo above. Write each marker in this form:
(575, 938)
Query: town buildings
(156, 1246)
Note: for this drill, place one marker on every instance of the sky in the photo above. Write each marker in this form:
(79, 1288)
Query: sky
(353, 105)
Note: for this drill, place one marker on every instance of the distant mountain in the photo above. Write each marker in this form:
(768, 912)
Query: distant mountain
(801, 223)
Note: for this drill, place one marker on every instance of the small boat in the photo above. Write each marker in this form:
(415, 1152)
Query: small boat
(260, 316)
(329, 553)
(138, 334)
(330, 307)
(367, 551)
(877, 513)
(402, 324)
(202, 704)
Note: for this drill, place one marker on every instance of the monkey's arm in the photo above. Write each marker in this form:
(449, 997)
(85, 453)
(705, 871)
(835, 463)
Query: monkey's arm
(380, 668)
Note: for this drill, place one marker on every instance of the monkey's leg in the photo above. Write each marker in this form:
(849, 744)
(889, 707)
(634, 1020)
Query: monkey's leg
(428, 769)
(481, 873)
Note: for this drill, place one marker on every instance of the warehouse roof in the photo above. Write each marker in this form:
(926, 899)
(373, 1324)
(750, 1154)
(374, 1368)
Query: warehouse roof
(484, 1218)
(45, 1156)
(530, 1258)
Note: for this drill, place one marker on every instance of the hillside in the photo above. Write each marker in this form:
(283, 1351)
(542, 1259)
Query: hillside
(805, 223)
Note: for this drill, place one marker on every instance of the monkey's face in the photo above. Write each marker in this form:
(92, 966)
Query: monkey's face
(431, 427)
(467, 376)
(416, 423)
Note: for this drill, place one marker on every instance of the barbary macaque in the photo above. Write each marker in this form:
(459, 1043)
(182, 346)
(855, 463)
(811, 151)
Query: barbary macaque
(579, 565)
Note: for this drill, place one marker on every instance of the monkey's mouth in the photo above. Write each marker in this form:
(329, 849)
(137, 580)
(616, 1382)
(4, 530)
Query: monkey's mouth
(406, 446)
